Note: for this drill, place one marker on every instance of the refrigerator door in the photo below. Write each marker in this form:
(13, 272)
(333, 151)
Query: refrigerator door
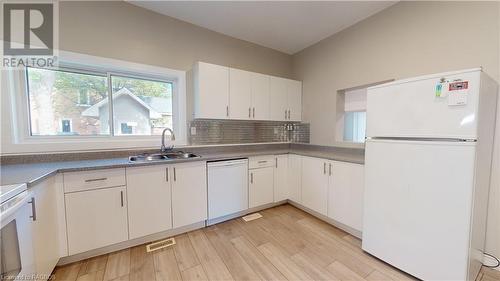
(415, 107)
(418, 201)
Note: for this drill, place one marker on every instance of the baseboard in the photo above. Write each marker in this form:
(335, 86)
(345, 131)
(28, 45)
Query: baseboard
(130, 243)
(245, 212)
(348, 229)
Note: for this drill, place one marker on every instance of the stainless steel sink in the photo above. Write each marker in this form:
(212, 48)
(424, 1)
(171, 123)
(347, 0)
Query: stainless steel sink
(181, 155)
(162, 156)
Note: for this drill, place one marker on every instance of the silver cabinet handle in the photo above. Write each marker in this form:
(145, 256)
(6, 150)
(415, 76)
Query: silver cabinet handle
(262, 161)
(276, 162)
(121, 197)
(33, 208)
(98, 179)
(227, 110)
(249, 112)
(330, 169)
(324, 168)
(175, 175)
(289, 114)
(251, 177)
(285, 114)
(254, 112)
(166, 173)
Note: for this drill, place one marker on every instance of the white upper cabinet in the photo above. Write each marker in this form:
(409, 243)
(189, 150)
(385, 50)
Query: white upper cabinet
(227, 93)
(285, 99)
(248, 95)
(260, 87)
(240, 94)
(149, 200)
(294, 93)
(211, 91)
(278, 101)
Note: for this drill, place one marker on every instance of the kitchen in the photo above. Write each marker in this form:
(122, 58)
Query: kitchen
(263, 172)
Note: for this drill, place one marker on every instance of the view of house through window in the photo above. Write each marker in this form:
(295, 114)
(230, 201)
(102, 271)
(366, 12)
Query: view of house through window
(54, 102)
(144, 105)
(70, 103)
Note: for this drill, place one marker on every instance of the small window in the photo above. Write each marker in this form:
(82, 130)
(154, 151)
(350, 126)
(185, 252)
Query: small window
(355, 126)
(83, 98)
(126, 129)
(145, 103)
(66, 126)
(54, 102)
(351, 115)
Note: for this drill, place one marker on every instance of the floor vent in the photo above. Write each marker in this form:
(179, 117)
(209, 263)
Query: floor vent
(252, 217)
(160, 245)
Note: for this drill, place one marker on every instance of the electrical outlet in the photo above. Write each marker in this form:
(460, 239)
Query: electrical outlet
(193, 131)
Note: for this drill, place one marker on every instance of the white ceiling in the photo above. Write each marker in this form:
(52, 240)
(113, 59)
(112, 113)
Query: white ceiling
(287, 26)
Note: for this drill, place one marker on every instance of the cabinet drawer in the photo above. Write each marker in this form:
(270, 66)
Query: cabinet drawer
(88, 180)
(261, 162)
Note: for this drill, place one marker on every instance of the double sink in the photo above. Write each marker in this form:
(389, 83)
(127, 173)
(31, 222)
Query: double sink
(176, 155)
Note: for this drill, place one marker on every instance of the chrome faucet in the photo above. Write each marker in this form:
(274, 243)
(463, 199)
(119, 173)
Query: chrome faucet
(172, 138)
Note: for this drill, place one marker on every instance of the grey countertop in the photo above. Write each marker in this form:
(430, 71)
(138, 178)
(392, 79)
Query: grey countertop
(34, 172)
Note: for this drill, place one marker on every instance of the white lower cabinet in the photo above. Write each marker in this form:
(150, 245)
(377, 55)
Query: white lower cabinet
(281, 177)
(294, 179)
(189, 193)
(45, 226)
(149, 200)
(315, 184)
(162, 197)
(96, 218)
(260, 189)
(345, 198)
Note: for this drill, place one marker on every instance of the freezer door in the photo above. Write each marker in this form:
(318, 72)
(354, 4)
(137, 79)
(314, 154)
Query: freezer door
(413, 109)
(418, 201)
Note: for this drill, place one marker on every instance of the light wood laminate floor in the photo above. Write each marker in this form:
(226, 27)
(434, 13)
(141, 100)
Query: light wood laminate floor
(286, 244)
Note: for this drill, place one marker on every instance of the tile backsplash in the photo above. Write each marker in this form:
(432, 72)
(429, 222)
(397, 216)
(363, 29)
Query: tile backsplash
(208, 131)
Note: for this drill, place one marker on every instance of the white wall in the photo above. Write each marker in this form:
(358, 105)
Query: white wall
(493, 234)
(405, 40)
(119, 30)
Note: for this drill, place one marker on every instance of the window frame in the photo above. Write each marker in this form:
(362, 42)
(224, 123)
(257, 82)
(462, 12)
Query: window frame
(22, 141)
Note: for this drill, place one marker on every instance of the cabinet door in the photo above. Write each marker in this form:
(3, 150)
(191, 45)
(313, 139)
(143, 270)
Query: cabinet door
(281, 178)
(240, 101)
(346, 191)
(295, 178)
(96, 218)
(260, 189)
(211, 91)
(260, 96)
(294, 91)
(315, 184)
(149, 200)
(189, 193)
(278, 104)
(45, 227)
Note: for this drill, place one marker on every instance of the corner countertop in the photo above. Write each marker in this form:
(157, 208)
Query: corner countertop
(33, 172)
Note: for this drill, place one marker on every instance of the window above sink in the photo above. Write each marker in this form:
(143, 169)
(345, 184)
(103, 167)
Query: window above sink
(70, 107)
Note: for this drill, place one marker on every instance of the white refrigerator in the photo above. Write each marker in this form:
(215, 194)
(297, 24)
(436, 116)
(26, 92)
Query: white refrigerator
(427, 173)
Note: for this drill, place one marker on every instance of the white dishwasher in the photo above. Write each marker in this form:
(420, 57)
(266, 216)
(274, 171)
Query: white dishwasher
(227, 188)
